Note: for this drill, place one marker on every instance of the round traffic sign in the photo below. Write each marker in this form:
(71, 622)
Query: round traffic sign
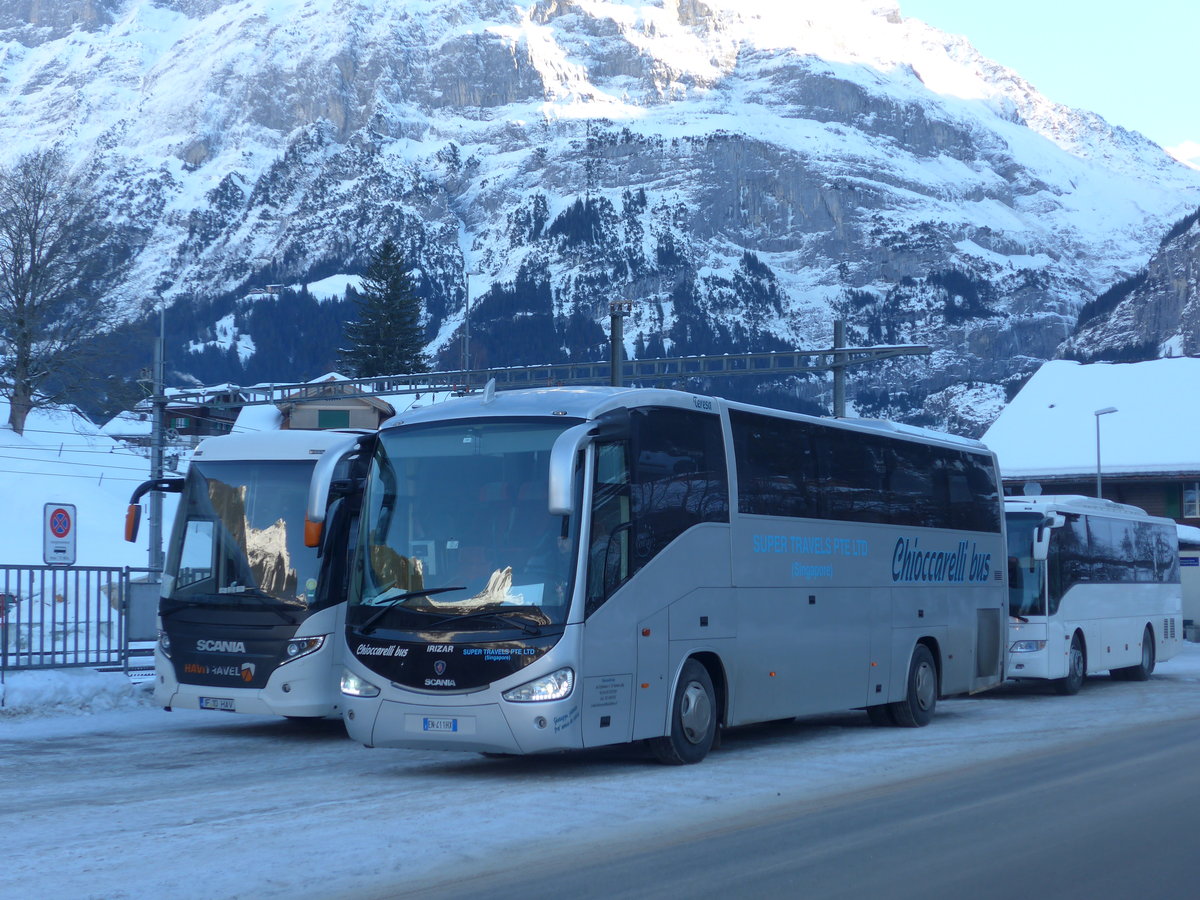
(60, 523)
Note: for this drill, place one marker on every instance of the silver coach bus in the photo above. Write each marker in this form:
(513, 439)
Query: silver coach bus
(566, 568)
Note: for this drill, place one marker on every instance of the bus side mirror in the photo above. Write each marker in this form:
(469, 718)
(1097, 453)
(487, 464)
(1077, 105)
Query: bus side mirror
(1041, 536)
(562, 468)
(133, 518)
(1041, 543)
(133, 515)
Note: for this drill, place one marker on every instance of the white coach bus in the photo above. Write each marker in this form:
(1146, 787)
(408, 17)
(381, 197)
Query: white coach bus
(252, 610)
(567, 568)
(1093, 587)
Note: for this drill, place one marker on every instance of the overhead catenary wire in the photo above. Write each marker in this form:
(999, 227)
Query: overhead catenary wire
(69, 475)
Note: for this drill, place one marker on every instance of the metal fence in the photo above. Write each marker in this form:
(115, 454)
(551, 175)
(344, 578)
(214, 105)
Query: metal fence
(53, 617)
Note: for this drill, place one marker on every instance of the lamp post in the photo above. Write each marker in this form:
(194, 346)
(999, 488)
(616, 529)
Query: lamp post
(466, 362)
(1098, 413)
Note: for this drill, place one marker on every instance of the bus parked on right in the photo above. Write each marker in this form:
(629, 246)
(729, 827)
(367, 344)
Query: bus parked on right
(1093, 587)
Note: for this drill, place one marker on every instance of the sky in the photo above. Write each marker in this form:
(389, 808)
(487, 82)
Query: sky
(1135, 66)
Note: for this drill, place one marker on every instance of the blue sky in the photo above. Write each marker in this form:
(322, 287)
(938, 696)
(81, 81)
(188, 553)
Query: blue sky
(1134, 65)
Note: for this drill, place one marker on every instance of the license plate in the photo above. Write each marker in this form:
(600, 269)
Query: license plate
(440, 724)
(223, 703)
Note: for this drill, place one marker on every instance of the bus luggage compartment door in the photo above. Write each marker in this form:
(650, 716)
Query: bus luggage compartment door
(652, 684)
(607, 715)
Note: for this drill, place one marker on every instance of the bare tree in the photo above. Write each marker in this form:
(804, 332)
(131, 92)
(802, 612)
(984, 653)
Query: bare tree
(48, 309)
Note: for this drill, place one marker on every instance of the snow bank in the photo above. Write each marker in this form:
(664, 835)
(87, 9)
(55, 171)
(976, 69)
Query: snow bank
(69, 692)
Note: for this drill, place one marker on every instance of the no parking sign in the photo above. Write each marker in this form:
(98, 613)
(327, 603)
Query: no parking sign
(58, 542)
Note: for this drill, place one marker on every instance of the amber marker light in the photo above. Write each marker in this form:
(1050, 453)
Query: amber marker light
(312, 533)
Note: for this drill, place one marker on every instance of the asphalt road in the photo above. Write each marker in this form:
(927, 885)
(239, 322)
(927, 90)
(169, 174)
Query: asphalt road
(1116, 816)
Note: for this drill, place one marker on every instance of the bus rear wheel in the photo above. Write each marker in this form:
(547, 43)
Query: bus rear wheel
(916, 709)
(693, 719)
(1076, 668)
(1143, 670)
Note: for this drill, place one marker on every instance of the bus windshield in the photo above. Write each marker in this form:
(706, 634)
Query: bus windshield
(1025, 594)
(239, 536)
(461, 509)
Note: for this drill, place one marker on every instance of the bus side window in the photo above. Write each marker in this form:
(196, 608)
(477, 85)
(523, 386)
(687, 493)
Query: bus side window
(609, 541)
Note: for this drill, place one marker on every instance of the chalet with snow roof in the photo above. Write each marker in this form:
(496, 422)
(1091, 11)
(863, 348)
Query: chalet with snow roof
(328, 402)
(1146, 417)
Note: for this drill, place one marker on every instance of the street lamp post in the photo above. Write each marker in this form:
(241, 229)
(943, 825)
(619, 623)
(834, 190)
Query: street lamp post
(1098, 413)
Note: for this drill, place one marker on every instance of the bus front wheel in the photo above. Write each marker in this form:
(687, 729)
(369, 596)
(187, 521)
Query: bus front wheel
(1143, 670)
(1076, 668)
(916, 709)
(693, 719)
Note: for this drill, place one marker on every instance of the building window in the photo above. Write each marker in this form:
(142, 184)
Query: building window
(1191, 500)
(178, 422)
(333, 418)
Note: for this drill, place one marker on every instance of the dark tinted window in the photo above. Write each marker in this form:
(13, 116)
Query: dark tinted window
(678, 478)
(669, 477)
(1100, 550)
(803, 469)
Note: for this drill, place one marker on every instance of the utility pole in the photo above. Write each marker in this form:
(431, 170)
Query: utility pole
(617, 311)
(466, 363)
(158, 403)
(839, 369)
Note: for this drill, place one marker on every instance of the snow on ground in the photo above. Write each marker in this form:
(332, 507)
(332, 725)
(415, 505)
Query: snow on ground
(63, 458)
(130, 802)
(56, 692)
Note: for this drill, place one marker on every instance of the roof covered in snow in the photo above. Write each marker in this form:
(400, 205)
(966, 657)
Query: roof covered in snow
(1049, 429)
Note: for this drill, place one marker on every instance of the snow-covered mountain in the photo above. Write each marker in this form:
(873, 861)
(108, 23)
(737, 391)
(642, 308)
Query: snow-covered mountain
(745, 170)
(1153, 313)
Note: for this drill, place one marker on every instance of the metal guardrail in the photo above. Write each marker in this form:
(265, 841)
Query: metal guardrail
(670, 369)
(54, 617)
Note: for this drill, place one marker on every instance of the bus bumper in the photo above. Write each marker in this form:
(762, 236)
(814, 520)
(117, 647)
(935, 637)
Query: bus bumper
(306, 688)
(494, 727)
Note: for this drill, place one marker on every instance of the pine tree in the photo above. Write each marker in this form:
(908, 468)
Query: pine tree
(386, 338)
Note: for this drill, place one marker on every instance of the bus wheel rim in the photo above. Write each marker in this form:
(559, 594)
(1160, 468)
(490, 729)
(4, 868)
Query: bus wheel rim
(925, 685)
(695, 712)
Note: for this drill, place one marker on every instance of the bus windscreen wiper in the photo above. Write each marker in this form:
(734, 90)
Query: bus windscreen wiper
(264, 604)
(177, 605)
(496, 615)
(365, 627)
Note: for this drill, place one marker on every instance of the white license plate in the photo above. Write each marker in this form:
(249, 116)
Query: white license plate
(440, 724)
(223, 703)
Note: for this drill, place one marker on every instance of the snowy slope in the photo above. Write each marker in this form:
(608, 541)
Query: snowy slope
(745, 170)
(63, 458)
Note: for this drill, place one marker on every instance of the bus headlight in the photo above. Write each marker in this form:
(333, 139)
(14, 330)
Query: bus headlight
(353, 686)
(555, 686)
(164, 643)
(298, 647)
(1027, 646)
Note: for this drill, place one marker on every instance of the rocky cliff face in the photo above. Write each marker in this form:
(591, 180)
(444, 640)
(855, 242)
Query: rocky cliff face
(744, 171)
(1153, 313)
